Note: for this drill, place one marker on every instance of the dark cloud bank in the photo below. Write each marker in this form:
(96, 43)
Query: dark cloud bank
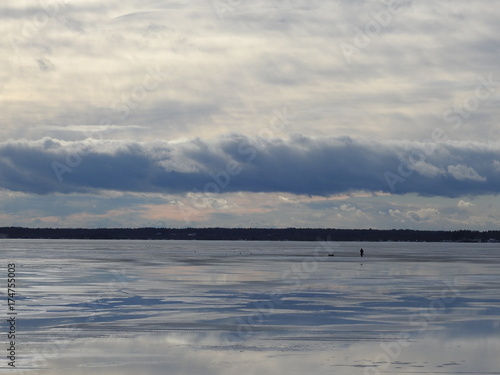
(236, 163)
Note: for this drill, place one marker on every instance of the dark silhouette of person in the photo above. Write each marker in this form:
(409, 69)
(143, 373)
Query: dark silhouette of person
(361, 252)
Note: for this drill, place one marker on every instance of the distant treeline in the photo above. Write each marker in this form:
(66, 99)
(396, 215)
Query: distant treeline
(252, 234)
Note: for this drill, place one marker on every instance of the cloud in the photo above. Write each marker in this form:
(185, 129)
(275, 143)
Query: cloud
(423, 214)
(463, 203)
(229, 73)
(70, 72)
(462, 173)
(236, 163)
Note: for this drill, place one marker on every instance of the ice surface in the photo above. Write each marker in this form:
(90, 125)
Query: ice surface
(226, 307)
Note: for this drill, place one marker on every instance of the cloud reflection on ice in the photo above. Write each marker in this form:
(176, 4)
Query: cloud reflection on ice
(155, 307)
(188, 354)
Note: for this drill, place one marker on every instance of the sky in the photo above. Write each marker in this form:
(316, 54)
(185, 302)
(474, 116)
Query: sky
(281, 113)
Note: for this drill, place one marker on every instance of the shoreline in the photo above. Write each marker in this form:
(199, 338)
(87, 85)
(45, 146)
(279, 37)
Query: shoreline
(253, 234)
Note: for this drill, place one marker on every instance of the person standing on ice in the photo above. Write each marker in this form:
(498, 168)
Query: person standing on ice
(361, 252)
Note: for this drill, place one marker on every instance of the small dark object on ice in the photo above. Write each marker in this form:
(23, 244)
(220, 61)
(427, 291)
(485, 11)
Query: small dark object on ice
(361, 252)
(331, 255)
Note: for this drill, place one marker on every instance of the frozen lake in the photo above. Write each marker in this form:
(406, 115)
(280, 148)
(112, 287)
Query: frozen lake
(215, 307)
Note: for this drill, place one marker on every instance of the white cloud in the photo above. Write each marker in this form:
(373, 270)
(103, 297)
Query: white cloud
(395, 213)
(346, 207)
(462, 203)
(426, 169)
(462, 173)
(423, 214)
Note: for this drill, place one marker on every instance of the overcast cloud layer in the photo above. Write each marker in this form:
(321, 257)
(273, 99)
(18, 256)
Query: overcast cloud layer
(396, 99)
(302, 166)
